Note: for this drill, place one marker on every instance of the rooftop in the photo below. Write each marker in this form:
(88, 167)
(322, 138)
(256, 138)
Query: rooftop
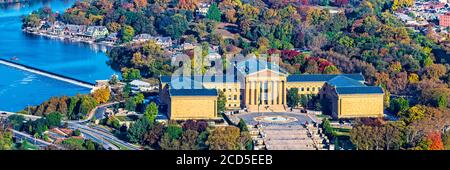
(360, 90)
(193, 92)
(321, 77)
(344, 81)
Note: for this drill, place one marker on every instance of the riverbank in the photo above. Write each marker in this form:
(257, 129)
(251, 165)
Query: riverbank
(70, 38)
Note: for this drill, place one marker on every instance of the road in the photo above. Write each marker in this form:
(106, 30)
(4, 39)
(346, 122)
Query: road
(107, 139)
(103, 136)
(31, 139)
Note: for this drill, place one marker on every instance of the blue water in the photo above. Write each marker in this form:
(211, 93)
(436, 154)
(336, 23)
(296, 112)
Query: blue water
(20, 88)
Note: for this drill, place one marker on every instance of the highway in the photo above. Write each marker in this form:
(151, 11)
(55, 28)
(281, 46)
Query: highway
(107, 139)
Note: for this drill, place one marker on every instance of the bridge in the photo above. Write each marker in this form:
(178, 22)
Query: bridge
(47, 74)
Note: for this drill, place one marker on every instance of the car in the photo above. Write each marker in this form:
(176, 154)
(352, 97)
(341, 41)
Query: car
(3, 113)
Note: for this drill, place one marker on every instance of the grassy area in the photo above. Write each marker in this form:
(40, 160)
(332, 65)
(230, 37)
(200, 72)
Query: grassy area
(120, 146)
(341, 132)
(25, 145)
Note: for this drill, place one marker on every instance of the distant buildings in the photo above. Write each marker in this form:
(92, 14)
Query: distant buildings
(444, 20)
(164, 42)
(202, 10)
(97, 32)
(142, 86)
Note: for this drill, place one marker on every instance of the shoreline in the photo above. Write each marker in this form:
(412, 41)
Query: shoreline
(68, 38)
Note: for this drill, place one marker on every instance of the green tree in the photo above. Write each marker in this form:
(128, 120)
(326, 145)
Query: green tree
(126, 33)
(138, 130)
(293, 98)
(74, 144)
(221, 102)
(399, 105)
(214, 13)
(178, 25)
(77, 132)
(242, 125)
(174, 131)
(6, 139)
(151, 112)
(54, 119)
(16, 121)
(130, 74)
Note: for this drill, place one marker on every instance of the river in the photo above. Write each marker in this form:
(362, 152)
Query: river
(19, 89)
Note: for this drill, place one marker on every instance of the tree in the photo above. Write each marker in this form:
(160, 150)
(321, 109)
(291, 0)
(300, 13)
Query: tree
(32, 21)
(101, 95)
(154, 135)
(130, 74)
(138, 130)
(224, 138)
(293, 97)
(6, 139)
(221, 102)
(171, 138)
(77, 132)
(87, 104)
(331, 70)
(436, 97)
(177, 26)
(54, 119)
(73, 143)
(189, 140)
(413, 114)
(188, 4)
(214, 13)
(126, 33)
(174, 131)
(242, 125)
(16, 121)
(114, 79)
(399, 105)
(435, 141)
(168, 143)
(151, 112)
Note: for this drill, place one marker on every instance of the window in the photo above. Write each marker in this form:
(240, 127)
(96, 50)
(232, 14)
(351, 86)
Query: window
(224, 90)
(303, 89)
(313, 89)
(235, 97)
(234, 105)
(307, 89)
(229, 97)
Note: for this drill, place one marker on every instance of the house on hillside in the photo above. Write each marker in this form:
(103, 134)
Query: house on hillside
(97, 32)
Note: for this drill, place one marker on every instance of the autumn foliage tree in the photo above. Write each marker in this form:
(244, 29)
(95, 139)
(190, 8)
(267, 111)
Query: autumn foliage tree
(101, 95)
(435, 141)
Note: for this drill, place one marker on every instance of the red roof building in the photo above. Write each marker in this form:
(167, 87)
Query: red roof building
(444, 20)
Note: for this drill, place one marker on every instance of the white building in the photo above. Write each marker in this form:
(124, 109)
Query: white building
(142, 86)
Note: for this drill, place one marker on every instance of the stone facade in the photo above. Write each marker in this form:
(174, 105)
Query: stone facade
(192, 107)
(265, 90)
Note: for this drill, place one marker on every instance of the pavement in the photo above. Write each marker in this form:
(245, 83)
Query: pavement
(249, 118)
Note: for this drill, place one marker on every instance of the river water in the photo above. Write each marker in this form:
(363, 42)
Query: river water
(77, 60)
